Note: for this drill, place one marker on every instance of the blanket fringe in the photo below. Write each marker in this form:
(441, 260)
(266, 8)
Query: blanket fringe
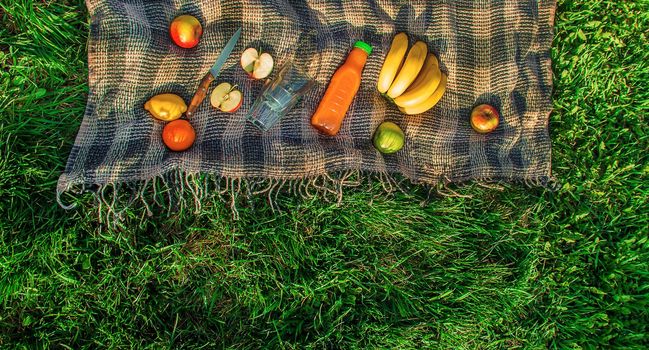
(178, 191)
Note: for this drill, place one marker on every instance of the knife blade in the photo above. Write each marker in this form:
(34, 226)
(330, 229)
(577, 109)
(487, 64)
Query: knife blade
(200, 95)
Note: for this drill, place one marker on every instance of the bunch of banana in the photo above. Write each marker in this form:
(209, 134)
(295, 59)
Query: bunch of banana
(414, 82)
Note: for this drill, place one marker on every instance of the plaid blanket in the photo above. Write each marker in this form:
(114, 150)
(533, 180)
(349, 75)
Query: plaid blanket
(494, 51)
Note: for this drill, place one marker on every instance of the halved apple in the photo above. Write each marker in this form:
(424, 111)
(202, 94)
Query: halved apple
(226, 98)
(257, 65)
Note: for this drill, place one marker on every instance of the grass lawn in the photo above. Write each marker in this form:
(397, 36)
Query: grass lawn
(498, 268)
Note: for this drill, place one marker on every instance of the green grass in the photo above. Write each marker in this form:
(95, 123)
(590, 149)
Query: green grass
(512, 268)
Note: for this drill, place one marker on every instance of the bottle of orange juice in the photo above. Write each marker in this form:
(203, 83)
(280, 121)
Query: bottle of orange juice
(341, 91)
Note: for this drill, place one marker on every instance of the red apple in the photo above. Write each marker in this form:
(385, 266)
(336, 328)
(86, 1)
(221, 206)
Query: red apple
(484, 119)
(258, 66)
(186, 31)
(226, 98)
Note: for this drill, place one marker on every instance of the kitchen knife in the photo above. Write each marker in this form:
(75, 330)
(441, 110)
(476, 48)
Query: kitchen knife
(212, 74)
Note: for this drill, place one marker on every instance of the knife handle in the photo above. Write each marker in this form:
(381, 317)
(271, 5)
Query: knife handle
(200, 95)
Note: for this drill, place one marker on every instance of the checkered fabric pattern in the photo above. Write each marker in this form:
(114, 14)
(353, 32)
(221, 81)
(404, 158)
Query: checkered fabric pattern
(494, 51)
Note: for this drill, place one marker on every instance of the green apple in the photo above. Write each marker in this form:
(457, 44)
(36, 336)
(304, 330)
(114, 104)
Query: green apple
(389, 138)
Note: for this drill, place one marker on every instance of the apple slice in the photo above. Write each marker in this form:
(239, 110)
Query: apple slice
(226, 98)
(258, 66)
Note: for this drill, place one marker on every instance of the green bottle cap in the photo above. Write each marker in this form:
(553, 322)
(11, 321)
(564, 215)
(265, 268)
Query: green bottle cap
(364, 46)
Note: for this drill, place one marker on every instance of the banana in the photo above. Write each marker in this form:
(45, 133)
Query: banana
(430, 102)
(410, 69)
(393, 62)
(424, 86)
